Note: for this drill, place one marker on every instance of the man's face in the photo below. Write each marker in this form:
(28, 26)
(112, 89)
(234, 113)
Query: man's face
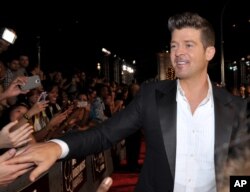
(188, 55)
(3, 45)
(14, 65)
(24, 61)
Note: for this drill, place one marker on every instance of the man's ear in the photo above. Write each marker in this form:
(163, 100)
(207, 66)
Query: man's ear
(210, 52)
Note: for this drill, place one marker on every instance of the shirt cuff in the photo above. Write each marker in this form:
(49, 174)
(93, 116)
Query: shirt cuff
(64, 147)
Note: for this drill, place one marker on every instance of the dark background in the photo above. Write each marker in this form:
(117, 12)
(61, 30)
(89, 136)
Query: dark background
(72, 34)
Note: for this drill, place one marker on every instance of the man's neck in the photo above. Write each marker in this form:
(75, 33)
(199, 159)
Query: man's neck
(195, 92)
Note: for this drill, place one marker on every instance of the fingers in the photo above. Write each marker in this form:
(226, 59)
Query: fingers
(9, 126)
(45, 103)
(21, 80)
(21, 172)
(19, 159)
(21, 150)
(21, 135)
(26, 135)
(40, 169)
(105, 185)
(23, 166)
(23, 142)
(20, 131)
(7, 155)
(42, 104)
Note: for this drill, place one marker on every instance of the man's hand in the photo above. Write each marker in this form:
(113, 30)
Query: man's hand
(43, 155)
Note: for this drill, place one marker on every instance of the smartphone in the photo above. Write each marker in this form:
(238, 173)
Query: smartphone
(8, 36)
(32, 82)
(81, 104)
(42, 96)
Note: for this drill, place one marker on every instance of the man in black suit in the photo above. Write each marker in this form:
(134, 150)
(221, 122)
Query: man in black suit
(188, 123)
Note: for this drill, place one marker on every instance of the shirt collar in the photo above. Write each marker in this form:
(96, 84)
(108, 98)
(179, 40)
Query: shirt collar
(209, 97)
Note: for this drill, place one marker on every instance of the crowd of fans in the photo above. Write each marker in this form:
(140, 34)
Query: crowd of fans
(72, 103)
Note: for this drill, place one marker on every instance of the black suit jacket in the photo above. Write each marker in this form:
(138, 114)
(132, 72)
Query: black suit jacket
(154, 109)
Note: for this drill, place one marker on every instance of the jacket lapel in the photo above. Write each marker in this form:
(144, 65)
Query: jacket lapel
(166, 102)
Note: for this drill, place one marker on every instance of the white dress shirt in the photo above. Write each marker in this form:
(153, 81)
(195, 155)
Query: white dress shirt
(194, 171)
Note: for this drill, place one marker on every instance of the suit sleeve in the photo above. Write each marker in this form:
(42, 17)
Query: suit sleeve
(103, 136)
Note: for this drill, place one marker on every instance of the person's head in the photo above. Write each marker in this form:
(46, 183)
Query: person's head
(53, 94)
(91, 94)
(24, 61)
(14, 64)
(133, 89)
(192, 44)
(63, 99)
(101, 90)
(82, 97)
(18, 111)
(57, 78)
(52, 90)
